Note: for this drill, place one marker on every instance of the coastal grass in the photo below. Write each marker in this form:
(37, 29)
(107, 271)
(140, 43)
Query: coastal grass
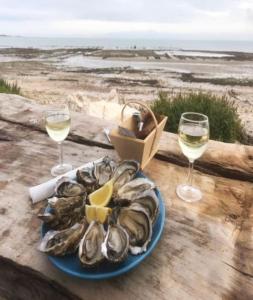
(9, 88)
(224, 121)
(188, 77)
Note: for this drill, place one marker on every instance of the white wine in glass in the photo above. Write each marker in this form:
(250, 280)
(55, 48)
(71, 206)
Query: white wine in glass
(193, 136)
(58, 127)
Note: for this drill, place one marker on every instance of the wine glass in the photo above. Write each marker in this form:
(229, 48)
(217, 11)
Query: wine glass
(58, 126)
(193, 136)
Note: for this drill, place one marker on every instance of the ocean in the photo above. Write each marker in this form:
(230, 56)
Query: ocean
(156, 44)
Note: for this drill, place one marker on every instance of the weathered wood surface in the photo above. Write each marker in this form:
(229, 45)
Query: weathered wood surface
(223, 159)
(206, 251)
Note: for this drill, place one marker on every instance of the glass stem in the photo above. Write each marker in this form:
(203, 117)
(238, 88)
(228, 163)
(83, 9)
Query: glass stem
(60, 154)
(190, 172)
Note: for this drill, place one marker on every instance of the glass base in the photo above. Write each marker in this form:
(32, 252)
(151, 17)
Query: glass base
(188, 193)
(60, 169)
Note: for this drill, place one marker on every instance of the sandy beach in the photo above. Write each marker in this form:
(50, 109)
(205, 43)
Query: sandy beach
(99, 81)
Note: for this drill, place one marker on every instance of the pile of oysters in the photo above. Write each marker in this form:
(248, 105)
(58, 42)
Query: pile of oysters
(134, 207)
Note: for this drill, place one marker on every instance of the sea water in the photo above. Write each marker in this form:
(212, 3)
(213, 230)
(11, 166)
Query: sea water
(109, 43)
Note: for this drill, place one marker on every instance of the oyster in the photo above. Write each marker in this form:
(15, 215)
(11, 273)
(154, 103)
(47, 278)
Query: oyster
(86, 177)
(65, 205)
(59, 223)
(148, 200)
(64, 212)
(104, 170)
(124, 172)
(138, 225)
(63, 242)
(135, 188)
(116, 243)
(90, 245)
(68, 188)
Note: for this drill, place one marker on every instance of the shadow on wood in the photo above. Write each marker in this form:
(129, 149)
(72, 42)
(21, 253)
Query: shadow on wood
(18, 282)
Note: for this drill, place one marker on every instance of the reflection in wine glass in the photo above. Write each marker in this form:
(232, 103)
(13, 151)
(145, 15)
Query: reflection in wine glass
(193, 136)
(58, 126)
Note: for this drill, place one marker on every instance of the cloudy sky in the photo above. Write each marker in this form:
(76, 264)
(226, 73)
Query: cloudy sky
(187, 19)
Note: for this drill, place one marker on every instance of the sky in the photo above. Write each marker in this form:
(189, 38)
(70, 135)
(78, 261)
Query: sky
(176, 19)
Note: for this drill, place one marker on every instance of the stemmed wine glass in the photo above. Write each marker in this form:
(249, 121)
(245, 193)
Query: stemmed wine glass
(193, 136)
(58, 126)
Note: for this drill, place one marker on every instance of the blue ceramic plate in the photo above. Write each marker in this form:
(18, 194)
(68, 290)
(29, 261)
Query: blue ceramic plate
(70, 263)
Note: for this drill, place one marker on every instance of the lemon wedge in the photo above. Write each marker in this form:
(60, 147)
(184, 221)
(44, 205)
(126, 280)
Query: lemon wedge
(102, 196)
(96, 213)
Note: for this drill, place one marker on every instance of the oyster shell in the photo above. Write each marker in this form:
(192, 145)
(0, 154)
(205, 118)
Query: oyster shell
(86, 177)
(148, 200)
(135, 188)
(59, 223)
(63, 242)
(68, 188)
(138, 225)
(64, 212)
(116, 243)
(90, 253)
(104, 170)
(65, 205)
(124, 172)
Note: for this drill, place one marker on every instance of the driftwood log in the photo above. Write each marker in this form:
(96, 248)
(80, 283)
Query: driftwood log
(206, 250)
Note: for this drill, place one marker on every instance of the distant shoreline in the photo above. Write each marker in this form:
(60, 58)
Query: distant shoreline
(218, 46)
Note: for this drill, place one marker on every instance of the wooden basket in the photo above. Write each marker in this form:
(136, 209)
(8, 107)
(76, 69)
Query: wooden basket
(138, 149)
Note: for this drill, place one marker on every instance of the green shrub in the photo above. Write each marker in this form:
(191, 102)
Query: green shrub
(9, 88)
(225, 124)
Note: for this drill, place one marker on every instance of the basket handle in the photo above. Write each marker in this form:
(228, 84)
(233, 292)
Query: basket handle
(149, 110)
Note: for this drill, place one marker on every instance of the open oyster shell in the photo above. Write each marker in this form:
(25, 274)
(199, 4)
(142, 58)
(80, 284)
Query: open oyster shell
(134, 188)
(124, 172)
(65, 205)
(87, 178)
(116, 243)
(64, 212)
(104, 170)
(90, 253)
(148, 200)
(135, 220)
(63, 242)
(68, 188)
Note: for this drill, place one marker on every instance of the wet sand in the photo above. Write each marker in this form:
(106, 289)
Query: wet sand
(92, 78)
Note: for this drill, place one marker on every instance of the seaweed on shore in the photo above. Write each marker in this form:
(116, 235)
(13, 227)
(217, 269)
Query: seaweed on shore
(117, 70)
(189, 77)
(133, 82)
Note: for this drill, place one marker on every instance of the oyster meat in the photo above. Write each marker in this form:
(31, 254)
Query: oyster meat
(116, 243)
(65, 205)
(135, 188)
(124, 172)
(63, 242)
(68, 188)
(138, 225)
(104, 170)
(148, 200)
(90, 253)
(64, 212)
(87, 178)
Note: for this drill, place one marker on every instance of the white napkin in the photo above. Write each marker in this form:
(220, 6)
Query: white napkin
(42, 191)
